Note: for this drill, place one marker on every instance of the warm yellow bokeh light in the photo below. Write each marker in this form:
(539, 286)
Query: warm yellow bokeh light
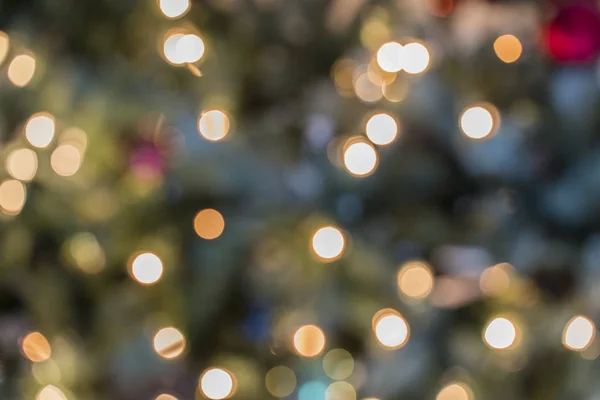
(51, 393)
(381, 129)
(391, 329)
(174, 8)
(36, 347)
(415, 279)
(22, 164)
(508, 48)
(190, 48)
(579, 333)
(65, 160)
(4, 46)
(340, 391)
(360, 158)
(495, 280)
(75, 137)
(209, 224)
(165, 397)
(147, 268)
(391, 57)
(169, 342)
(21, 70)
(309, 341)
(217, 384)
(366, 90)
(280, 381)
(328, 243)
(213, 125)
(170, 47)
(500, 333)
(86, 253)
(455, 391)
(477, 122)
(416, 58)
(12, 197)
(39, 129)
(338, 364)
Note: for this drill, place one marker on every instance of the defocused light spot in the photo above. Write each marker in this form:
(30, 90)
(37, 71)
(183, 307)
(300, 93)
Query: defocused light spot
(395, 91)
(382, 129)
(22, 164)
(360, 158)
(36, 347)
(508, 48)
(170, 47)
(495, 280)
(213, 124)
(366, 90)
(51, 393)
(477, 122)
(165, 397)
(190, 48)
(391, 57)
(391, 330)
(441, 8)
(147, 268)
(500, 334)
(378, 76)
(340, 391)
(4, 46)
(174, 8)
(86, 253)
(169, 343)
(342, 73)
(455, 391)
(374, 32)
(12, 197)
(312, 390)
(39, 129)
(65, 160)
(579, 333)
(209, 224)
(280, 381)
(415, 279)
(46, 372)
(416, 58)
(309, 341)
(21, 70)
(216, 384)
(75, 137)
(328, 243)
(338, 364)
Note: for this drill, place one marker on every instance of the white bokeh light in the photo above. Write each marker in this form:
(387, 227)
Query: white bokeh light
(391, 330)
(391, 57)
(174, 8)
(216, 384)
(382, 129)
(328, 243)
(416, 58)
(579, 333)
(477, 122)
(190, 48)
(500, 333)
(360, 158)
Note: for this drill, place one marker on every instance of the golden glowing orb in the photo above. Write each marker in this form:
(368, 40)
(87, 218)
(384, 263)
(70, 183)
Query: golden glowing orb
(39, 130)
(209, 224)
(500, 334)
(309, 341)
(366, 90)
(213, 125)
(455, 391)
(579, 333)
(12, 197)
(217, 384)
(165, 397)
(51, 393)
(36, 347)
(495, 280)
(415, 279)
(391, 57)
(382, 129)
(21, 70)
(65, 160)
(338, 364)
(360, 158)
(22, 164)
(508, 48)
(4, 46)
(280, 381)
(147, 268)
(391, 329)
(340, 391)
(169, 343)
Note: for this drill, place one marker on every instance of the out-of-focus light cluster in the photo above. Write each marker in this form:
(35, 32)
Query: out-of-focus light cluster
(479, 121)
(209, 224)
(50, 392)
(338, 364)
(415, 279)
(508, 48)
(180, 47)
(22, 164)
(21, 70)
(213, 125)
(501, 334)
(328, 243)
(412, 58)
(391, 329)
(309, 341)
(36, 347)
(39, 129)
(174, 8)
(280, 381)
(360, 157)
(455, 391)
(382, 129)
(12, 197)
(169, 342)
(217, 384)
(579, 333)
(146, 268)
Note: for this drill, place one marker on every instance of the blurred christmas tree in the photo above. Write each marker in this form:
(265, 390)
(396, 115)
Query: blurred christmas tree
(335, 199)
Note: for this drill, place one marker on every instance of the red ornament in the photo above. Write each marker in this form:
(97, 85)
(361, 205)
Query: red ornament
(573, 37)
